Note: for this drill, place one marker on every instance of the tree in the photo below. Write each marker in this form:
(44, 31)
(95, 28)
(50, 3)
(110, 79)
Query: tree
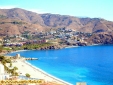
(6, 69)
(16, 74)
(10, 64)
(3, 62)
(8, 60)
(2, 58)
(15, 68)
(27, 75)
(1, 49)
(13, 71)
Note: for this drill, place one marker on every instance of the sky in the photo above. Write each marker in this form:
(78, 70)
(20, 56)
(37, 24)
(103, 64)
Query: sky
(79, 8)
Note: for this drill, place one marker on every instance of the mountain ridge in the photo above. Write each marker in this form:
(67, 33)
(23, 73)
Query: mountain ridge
(41, 22)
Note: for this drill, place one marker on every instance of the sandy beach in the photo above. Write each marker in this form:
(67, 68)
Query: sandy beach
(25, 67)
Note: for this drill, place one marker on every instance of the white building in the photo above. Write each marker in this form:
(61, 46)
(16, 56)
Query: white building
(2, 73)
(17, 56)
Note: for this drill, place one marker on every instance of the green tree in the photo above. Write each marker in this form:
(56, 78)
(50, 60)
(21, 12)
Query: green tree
(1, 49)
(15, 68)
(3, 62)
(27, 75)
(13, 71)
(6, 69)
(16, 74)
(8, 60)
(10, 64)
(2, 58)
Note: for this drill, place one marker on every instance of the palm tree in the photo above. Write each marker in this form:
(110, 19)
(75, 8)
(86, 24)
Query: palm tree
(11, 71)
(10, 64)
(3, 62)
(14, 70)
(2, 58)
(8, 60)
(6, 68)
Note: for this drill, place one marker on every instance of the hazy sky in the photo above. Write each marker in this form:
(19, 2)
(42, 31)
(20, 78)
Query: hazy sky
(81, 8)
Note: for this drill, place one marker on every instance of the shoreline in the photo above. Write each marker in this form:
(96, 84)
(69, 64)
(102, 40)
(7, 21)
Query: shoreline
(43, 72)
(54, 49)
(18, 51)
(57, 80)
(47, 74)
(52, 78)
(37, 73)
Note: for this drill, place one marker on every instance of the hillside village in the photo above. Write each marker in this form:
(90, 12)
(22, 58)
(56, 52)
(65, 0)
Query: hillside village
(50, 31)
(61, 37)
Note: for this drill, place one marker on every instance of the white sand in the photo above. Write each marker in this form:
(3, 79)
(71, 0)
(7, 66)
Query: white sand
(25, 67)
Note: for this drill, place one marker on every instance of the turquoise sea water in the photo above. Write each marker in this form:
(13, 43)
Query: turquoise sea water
(90, 64)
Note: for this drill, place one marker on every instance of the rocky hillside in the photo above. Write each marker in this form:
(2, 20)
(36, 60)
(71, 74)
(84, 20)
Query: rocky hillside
(17, 21)
(79, 24)
(101, 38)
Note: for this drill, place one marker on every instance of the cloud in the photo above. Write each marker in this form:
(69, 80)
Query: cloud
(7, 7)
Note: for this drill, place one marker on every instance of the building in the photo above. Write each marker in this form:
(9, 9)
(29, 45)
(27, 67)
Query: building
(3, 76)
(1, 71)
(17, 56)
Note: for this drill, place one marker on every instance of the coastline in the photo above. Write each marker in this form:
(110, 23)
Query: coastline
(43, 75)
(6, 53)
(49, 75)
(66, 46)
(18, 51)
(37, 73)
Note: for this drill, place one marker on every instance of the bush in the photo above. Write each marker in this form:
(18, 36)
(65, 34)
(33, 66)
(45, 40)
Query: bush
(27, 75)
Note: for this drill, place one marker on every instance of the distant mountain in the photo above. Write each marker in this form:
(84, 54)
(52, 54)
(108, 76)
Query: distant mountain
(17, 21)
(78, 24)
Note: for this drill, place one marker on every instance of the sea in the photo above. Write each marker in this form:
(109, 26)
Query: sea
(90, 64)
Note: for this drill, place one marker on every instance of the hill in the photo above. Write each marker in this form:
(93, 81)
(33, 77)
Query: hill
(17, 21)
